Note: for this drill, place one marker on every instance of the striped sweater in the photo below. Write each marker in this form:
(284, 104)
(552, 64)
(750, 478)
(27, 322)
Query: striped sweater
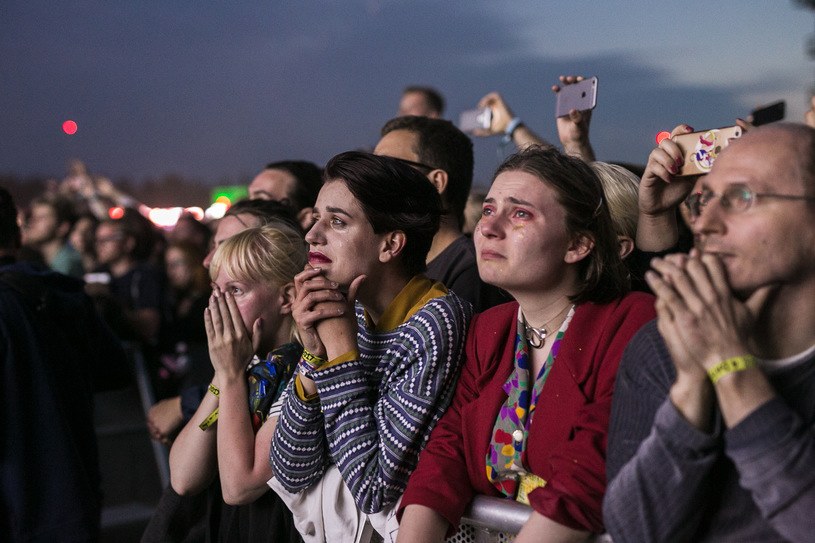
(375, 413)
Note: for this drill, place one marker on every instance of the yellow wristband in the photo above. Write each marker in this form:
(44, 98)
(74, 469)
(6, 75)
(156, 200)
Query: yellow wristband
(209, 421)
(313, 359)
(731, 365)
(214, 389)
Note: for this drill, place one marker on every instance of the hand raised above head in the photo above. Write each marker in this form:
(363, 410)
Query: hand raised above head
(661, 190)
(573, 130)
(501, 115)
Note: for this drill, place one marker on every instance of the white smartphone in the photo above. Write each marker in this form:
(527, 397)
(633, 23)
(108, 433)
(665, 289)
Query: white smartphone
(473, 119)
(580, 96)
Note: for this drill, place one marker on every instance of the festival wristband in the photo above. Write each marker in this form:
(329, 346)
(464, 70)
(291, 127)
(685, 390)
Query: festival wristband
(731, 365)
(214, 389)
(308, 363)
(209, 421)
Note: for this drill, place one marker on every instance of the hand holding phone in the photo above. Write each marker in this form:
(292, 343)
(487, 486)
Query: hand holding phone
(581, 96)
(700, 149)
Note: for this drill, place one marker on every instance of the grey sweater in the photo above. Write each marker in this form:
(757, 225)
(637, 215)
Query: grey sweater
(671, 482)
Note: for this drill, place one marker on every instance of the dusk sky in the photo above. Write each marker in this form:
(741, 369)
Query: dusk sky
(213, 91)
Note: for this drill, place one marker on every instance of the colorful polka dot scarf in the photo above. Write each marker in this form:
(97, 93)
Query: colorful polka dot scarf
(505, 468)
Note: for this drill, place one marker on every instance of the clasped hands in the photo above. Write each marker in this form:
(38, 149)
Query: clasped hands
(324, 314)
(698, 316)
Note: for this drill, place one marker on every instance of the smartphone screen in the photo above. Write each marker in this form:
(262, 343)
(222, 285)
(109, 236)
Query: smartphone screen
(580, 96)
(769, 113)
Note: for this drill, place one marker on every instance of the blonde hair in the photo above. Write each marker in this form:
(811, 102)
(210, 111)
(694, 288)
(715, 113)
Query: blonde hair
(272, 254)
(621, 188)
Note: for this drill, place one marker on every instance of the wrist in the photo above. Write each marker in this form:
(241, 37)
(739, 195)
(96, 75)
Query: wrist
(511, 127)
(730, 366)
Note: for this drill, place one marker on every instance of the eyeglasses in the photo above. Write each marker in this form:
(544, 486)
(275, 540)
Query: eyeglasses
(424, 168)
(734, 199)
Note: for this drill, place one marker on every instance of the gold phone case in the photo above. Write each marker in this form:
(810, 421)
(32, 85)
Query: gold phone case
(700, 149)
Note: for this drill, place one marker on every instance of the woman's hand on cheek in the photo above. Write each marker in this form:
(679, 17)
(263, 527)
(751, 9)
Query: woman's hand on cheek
(230, 344)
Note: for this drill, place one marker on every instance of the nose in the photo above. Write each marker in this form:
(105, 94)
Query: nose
(709, 220)
(490, 226)
(208, 258)
(314, 234)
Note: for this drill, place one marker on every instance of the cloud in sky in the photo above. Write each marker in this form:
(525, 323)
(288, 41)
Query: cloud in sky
(214, 91)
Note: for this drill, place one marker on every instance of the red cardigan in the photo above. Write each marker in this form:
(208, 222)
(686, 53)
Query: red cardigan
(567, 439)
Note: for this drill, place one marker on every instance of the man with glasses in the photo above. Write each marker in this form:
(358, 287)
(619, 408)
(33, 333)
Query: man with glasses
(444, 154)
(711, 434)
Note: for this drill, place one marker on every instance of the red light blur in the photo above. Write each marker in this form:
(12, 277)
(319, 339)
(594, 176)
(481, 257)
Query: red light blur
(69, 127)
(662, 135)
(116, 213)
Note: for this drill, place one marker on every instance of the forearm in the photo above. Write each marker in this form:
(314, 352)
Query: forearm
(773, 450)
(524, 137)
(193, 460)
(298, 452)
(655, 495)
(741, 393)
(421, 524)
(540, 529)
(657, 232)
(580, 149)
(243, 479)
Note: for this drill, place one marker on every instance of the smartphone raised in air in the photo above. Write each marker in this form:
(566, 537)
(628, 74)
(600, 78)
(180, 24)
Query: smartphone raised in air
(700, 149)
(580, 96)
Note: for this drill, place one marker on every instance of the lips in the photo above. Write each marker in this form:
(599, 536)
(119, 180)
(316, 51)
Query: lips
(318, 258)
(487, 254)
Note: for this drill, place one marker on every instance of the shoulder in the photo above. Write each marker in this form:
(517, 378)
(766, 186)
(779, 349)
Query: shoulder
(630, 312)
(450, 307)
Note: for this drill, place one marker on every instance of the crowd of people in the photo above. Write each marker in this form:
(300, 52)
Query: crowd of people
(355, 352)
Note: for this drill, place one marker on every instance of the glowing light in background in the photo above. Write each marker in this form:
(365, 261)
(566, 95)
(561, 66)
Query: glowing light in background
(69, 127)
(662, 135)
(116, 213)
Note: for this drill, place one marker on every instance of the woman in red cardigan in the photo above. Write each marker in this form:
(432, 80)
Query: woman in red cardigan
(531, 409)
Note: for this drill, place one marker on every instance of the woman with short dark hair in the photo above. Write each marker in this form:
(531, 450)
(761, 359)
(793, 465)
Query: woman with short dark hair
(382, 342)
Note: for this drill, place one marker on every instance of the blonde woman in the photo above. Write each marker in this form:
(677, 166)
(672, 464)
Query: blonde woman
(249, 315)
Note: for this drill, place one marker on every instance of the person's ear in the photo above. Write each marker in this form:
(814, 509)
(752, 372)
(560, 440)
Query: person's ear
(626, 245)
(580, 248)
(439, 178)
(286, 295)
(304, 218)
(393, 243)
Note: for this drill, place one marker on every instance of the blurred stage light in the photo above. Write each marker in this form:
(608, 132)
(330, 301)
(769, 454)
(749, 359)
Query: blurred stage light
(69, 127)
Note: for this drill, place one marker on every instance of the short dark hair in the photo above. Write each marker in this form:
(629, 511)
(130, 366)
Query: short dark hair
(393, 196)
(10, 237)
(64, 209)
(433, 97)
(442, 145)
(602, 274)
(309, 179)
(266, 212)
